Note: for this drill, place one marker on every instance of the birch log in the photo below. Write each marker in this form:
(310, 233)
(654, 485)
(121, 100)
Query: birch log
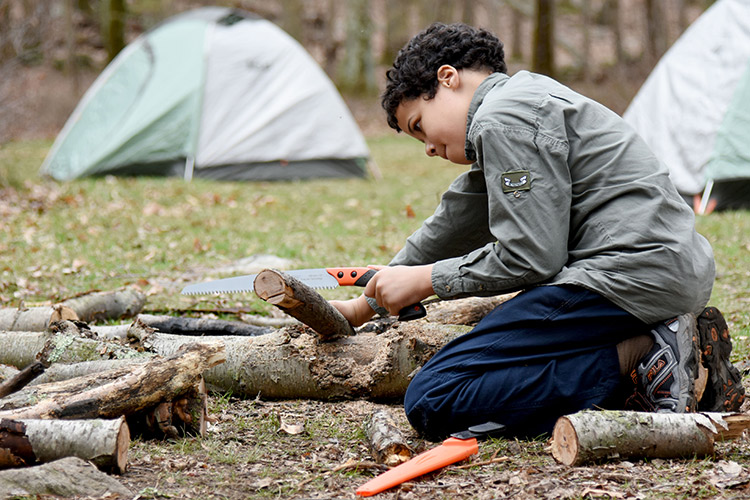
(101, 306)
(591, 436)
(293, 363)
(387, 443)
(158, 380)
(302, 302)
(29, 442)
(466, 311)
(69, 477)
(20, 349)
(34, 319)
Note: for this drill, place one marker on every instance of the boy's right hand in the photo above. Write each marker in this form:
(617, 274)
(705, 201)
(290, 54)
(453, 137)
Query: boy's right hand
(356, 311)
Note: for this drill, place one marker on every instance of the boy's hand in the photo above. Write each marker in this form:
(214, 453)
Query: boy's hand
(356, 311)
(396, 287)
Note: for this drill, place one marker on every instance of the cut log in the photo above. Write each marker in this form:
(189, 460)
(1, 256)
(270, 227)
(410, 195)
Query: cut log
(302, 302)
(387, 443)
(466, 311)
(158, 380)
(102, 306)
(22, 378)
(293, 363)
(66, 371)
(201, 326)
(29, 442)
(20, 349)
(68, 477)
(592, 436)
(34, 319)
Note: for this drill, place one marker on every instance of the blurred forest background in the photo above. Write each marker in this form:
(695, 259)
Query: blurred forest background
(51, 50)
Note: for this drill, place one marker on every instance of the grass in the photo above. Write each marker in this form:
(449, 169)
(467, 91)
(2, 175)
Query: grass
(61, 239)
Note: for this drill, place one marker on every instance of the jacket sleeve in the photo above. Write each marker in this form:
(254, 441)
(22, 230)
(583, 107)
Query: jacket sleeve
(458, 226)
(529, 226)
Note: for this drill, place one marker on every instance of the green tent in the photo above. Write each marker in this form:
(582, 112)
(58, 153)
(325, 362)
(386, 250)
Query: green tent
(215, 93)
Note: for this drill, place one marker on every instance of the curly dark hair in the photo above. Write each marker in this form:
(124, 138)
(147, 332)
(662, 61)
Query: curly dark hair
(414, 72)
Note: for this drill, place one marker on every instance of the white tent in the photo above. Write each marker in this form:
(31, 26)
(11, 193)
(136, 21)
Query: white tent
(694, 108)
(215, 93)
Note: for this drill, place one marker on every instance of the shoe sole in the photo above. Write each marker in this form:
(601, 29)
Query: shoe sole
(724, 391)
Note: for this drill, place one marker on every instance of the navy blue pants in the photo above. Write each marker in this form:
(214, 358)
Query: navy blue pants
(547, 352)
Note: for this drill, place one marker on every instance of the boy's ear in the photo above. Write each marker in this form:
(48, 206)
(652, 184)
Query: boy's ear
(447, 76)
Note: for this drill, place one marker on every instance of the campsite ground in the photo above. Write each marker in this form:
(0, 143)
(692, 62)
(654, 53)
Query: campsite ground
(58, 240)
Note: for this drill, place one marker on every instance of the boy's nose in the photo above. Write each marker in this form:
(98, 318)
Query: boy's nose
(430, 149)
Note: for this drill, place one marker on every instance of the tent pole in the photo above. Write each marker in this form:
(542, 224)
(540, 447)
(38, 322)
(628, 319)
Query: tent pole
(706, 197)
(189, 165)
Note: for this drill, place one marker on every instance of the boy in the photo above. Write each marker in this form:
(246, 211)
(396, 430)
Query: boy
(565, 202)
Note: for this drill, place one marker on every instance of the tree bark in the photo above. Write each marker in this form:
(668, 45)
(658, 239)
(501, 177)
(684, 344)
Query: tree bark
(387, 444)
(302, 302)
(591, 436)
(543, 57)
(34, 319)
(101, 306)
(28, 442)
(22, 378)
(201, 326)
(20, 349)
(294, 363)
(145, 386)
(69, 477)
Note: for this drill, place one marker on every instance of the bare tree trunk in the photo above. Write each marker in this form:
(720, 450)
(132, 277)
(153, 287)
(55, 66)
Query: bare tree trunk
(357, 73)
(543, 57)
(28, 442)
(586, 49)
(656, 30)
(114, 36)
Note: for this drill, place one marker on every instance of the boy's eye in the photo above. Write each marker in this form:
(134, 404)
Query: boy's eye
(417, 126)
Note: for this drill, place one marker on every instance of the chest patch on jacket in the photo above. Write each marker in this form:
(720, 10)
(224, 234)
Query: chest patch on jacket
(519, 180)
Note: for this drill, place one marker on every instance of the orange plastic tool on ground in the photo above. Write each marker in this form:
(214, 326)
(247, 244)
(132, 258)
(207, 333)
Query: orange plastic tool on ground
(450, 451)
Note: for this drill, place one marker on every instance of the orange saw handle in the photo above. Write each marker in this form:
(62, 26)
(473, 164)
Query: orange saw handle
(360, 276)
(450, 451)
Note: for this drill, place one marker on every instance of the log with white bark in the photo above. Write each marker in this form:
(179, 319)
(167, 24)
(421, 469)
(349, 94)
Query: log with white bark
(29, 442)
(102, 306)
(294, 363)
(592, 436)
(34, 319)
(386, 441)
(145, 386)
(302, 302)
(20, 349)
(69, 477)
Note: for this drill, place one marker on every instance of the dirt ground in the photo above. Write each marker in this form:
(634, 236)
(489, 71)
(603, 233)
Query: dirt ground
(313, 449)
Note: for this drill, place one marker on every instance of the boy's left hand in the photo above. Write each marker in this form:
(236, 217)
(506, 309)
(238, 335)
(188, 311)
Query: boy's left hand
(396, 287)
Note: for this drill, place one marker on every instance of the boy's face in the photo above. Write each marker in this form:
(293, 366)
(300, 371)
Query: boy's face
(440, 122)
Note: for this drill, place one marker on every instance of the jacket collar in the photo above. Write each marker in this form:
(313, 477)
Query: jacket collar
(484, 88)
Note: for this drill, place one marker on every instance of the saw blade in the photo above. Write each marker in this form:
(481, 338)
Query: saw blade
(315, 278)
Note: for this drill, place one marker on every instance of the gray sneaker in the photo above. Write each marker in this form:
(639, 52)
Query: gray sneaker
(665, 377)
